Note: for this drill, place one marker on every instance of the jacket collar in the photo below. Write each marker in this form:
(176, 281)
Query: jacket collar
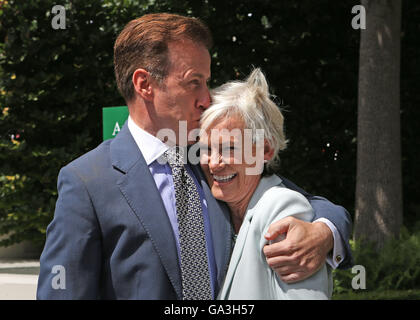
(264, 184)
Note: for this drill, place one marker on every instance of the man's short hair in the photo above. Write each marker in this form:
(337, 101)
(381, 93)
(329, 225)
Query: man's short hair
(143, 43)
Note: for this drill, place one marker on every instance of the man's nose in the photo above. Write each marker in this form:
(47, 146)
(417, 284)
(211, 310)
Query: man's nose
(205, 99)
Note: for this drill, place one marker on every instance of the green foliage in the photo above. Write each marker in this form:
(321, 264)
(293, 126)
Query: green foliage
(396, 267)
(54, 83)
(53, 86)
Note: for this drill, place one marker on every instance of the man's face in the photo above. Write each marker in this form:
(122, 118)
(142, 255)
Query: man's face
(184, 94)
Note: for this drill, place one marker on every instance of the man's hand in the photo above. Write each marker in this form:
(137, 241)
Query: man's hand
(302, 252)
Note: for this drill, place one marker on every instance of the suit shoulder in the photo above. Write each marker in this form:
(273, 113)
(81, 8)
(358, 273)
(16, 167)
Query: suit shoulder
(93, 155)
(92, 161)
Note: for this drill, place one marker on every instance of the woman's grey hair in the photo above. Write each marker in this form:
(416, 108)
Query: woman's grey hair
(249, 100)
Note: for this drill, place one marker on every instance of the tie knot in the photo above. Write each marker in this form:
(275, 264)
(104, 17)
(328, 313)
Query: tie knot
(175, 156)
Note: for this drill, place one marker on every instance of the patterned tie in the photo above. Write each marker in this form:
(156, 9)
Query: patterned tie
(192, 241)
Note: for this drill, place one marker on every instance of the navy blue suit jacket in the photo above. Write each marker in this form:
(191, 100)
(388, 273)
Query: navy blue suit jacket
(111, 235)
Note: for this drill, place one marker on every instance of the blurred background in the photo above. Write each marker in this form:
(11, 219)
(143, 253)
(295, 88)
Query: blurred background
(342, 88)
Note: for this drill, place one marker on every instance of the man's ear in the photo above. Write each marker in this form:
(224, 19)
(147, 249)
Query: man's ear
(268, 151)
(142, 84)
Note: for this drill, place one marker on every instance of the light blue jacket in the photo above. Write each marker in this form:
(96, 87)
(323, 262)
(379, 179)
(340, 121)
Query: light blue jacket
(249, 276)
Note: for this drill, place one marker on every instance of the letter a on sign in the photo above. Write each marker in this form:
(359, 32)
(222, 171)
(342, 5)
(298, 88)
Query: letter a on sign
(116, 129)
(59, 20)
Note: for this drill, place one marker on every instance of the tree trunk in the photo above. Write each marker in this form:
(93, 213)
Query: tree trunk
(378, 214)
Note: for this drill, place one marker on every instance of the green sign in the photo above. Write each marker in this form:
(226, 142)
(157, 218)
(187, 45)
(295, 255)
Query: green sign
(113, 119)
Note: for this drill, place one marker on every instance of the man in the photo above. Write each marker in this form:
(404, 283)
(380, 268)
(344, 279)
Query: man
(117, 231)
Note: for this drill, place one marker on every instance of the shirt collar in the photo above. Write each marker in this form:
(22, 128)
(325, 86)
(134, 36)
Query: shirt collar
(150, 146)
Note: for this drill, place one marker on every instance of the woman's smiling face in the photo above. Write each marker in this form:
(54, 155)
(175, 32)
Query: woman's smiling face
(226, 164)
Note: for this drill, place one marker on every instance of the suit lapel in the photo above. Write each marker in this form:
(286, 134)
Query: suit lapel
(139, 189)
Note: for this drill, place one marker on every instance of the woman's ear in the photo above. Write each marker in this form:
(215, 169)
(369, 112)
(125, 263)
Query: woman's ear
(268, 151)
(142, 84)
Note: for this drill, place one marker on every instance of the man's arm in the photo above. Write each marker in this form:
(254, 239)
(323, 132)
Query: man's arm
(307, 245)
(70, 261)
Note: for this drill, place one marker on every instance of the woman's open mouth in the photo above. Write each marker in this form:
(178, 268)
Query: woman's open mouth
(225, 178)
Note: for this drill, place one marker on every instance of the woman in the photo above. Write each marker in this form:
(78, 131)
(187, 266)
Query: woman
(242, 133)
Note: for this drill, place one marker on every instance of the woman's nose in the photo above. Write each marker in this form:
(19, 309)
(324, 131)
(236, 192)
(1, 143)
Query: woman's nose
(216, 162)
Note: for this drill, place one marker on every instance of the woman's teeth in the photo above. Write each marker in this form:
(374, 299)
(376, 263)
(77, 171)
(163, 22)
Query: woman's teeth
(224, 178)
